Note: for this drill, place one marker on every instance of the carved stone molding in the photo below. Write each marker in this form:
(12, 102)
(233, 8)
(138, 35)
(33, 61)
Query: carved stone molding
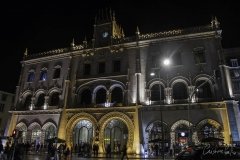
(73, 121)
(120, 116)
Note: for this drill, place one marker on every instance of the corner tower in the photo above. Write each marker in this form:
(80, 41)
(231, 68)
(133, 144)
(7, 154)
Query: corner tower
(106, 29)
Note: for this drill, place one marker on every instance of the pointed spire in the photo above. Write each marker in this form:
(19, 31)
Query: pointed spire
(214, 22)
(137, 31)
(26, 53)
(72, 44)
(217, 23)
(122, 32)
(85, 42)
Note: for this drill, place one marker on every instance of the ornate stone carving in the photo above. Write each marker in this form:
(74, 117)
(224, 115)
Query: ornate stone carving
(73, 121)
(121, 116)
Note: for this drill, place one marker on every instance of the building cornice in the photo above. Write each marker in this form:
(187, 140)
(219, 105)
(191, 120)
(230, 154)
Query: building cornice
(34, 112)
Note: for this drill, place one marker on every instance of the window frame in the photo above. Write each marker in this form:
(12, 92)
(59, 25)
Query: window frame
(54, 70)
(101, 70)
(33, 73)
(41, 72)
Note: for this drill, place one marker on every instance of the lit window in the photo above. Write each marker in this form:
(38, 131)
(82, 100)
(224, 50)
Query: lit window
(43, 75)
(234, 62)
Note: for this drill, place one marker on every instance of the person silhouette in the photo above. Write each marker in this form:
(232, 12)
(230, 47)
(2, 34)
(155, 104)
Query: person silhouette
(124, 152)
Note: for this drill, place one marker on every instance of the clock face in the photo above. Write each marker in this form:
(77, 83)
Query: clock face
(105, 34)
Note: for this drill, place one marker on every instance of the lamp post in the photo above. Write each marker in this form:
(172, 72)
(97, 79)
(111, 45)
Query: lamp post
(190, 100)
(166, 62)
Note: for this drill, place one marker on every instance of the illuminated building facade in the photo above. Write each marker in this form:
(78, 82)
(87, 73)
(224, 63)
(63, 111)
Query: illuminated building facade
(102, 92)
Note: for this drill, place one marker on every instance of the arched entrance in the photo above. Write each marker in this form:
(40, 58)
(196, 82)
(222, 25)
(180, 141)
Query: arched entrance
(115, 135)
(158, 137)
(80, 128)
(83, 133)
(209, 128)
(22, 130)
(35, 134)
(105, 122)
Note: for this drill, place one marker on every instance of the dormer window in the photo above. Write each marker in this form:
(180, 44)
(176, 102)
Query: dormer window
(31, 76)
(56, 72)
(234, 62)
(43, 75)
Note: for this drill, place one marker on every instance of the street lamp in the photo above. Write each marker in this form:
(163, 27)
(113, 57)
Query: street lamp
(166, 62)
(190, 100)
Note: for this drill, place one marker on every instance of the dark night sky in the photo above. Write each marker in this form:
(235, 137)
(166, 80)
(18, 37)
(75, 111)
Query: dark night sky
(46, 26)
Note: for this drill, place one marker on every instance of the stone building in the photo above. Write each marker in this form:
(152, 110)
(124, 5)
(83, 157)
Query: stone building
(103, 91)
(6, 104)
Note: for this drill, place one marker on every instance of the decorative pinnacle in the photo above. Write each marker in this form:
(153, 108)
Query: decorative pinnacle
(26, 52)
(137, 31)
(73, 44)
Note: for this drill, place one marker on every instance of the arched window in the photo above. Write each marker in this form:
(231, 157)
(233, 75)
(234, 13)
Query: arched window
(158, 132)
(40, 101)
(56, 73)
(155, 93)
(86, 97)
(43, 75)
(50, 132)
(205, 90)
(115, 135)
(208, 130)
(27, 102)
(180, 91)
(101, 96)
(83, 132)
(117, 95)
(54, 99)
(31, 77)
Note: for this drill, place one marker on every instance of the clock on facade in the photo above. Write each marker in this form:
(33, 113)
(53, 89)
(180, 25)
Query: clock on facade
(105, 34)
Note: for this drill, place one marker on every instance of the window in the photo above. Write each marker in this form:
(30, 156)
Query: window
(101, 67)
(234, 62)
(234, 73)
(31, 77)
(87, 69)
(43, 75)
(116, 66)
(4, 97)
(56, 73)
(2, 107)
(199, 55)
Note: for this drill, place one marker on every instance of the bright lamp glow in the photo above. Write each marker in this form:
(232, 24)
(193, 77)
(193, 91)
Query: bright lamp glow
(152, 74)
(166, 62)
(183, 134)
